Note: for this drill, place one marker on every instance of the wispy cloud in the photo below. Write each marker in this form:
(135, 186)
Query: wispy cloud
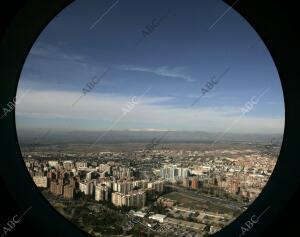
(45, 105)
(274, 103)
(49, 51)
(231, 98)
(207, 96)
(173, 72)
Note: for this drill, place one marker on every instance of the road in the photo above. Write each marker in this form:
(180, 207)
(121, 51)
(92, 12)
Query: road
(207, 198)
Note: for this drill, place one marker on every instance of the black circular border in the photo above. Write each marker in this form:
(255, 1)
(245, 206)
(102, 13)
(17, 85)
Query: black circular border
(277, 33)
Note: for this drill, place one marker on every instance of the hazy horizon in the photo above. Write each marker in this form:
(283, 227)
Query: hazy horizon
(103, 137)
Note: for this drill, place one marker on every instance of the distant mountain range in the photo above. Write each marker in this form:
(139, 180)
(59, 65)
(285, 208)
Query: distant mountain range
(138, 136)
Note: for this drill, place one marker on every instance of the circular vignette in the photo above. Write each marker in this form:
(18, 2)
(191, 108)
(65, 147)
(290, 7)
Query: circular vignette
(260, 203)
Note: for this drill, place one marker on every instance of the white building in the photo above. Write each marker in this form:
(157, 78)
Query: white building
(87, 187)
(132, 199)
(53, 163)
(139, 214)
(158, 217)
(101, 193)
(104, 168)
(157, 186)
(40, 181)
(81, 164)
(173, 173)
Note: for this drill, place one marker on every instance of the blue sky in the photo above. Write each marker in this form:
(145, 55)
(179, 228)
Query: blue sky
(172, 64)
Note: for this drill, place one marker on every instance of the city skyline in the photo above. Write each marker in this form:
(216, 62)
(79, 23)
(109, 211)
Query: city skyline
(174, 190)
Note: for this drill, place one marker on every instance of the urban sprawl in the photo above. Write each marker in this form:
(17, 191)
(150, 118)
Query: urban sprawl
(162, 192)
